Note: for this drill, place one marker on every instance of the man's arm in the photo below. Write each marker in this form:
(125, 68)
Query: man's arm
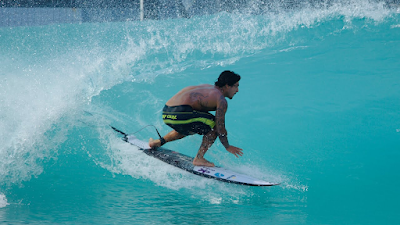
(222, 106)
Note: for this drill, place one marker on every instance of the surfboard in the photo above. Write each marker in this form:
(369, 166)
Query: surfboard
(184, 162)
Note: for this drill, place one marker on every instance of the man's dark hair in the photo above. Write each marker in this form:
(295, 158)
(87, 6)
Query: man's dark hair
(227, 77)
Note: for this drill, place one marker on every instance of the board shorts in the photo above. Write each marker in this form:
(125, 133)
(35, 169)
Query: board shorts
(186, 121)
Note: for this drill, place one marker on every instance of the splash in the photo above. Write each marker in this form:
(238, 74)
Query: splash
(3, 201)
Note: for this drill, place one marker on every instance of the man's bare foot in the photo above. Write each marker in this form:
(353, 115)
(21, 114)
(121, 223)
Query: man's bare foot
(202, 162)
(154, 143)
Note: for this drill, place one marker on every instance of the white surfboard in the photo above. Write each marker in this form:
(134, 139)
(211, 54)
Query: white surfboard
(184, 162)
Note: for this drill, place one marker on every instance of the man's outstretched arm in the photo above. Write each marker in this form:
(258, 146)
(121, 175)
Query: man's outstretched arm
(222, 107)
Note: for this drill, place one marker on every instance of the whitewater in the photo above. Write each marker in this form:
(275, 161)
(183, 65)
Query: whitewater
(317, 110)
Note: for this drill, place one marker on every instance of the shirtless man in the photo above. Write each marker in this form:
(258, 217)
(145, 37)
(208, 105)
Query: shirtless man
(187, 113)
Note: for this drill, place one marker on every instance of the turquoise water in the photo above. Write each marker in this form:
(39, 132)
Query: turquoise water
(318, 111)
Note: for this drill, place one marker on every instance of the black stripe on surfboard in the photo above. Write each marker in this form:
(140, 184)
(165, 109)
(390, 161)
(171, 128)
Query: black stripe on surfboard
(230, 181)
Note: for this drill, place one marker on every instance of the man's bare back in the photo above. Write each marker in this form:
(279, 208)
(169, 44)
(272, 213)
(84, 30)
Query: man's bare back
(201, 97)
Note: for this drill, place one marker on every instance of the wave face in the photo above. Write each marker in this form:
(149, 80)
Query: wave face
(317, 111)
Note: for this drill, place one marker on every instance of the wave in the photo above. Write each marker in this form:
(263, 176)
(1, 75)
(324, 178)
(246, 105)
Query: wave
(52, 73)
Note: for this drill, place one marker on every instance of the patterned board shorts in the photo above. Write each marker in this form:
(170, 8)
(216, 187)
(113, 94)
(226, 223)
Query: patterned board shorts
(187, 121)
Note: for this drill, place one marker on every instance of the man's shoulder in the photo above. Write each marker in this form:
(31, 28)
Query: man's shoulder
(205, 86)
(210, 92)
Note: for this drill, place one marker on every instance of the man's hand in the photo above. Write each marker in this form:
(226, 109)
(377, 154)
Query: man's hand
(235, 150)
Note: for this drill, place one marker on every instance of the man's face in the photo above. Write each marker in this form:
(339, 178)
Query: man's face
(232, 90)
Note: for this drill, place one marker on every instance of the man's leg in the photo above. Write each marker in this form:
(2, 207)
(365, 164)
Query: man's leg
(171, 136)
(208, 140)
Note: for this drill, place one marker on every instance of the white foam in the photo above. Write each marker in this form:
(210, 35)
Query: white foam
(271, 175)
(232, 35)
(127, 159)
(3, 201)
(39, 96)
(298, 187)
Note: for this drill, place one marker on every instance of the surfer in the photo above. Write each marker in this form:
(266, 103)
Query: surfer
(187, 113)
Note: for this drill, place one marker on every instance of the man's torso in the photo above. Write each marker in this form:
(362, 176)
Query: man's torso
(201, 98)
